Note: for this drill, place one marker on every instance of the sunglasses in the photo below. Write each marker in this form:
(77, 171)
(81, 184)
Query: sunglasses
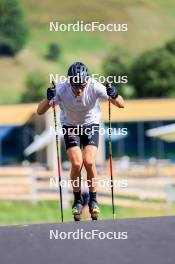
(79, 86)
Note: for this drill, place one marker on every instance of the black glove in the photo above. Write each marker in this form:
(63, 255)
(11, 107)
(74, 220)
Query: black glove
(111, 91)
(50, 93)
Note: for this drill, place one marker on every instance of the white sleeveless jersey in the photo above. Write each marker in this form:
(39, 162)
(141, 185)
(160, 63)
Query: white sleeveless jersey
(80, 110)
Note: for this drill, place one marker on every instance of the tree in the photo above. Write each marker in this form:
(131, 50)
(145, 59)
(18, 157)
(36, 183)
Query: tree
(13, 29)
(53, 52)
(170, 46)
(36, 84)
(117, 64)
(152, 74)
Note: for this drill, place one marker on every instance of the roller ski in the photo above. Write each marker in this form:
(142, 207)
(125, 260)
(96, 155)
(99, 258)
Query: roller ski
(77, 210)
(94, 209)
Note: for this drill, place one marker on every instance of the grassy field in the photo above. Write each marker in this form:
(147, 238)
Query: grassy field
(45, 212)
(150, 24)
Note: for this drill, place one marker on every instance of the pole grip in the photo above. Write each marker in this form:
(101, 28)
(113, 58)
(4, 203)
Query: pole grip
(108, 85)
(54, 85)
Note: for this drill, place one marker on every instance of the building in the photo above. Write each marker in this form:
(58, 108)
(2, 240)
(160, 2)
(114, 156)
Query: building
(138, 117)
(20, 126)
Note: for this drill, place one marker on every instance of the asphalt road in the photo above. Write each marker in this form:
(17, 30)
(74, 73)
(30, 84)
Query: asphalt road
(134, 241)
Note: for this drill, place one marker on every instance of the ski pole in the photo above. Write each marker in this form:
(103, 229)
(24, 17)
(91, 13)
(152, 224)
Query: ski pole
(58, 156)
(108, 86)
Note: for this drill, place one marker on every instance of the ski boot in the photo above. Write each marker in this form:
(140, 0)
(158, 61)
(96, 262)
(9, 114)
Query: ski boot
(94, 209)
(77, 210)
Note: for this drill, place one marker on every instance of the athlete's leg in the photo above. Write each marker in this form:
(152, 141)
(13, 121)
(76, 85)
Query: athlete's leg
(72, 142)
(75, 157)
(89, 157)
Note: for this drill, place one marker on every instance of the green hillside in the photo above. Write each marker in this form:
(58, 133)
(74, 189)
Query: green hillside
(150, 24)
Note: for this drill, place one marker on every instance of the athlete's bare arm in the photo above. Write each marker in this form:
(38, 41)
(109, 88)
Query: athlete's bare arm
(43, 106)
(119, 101)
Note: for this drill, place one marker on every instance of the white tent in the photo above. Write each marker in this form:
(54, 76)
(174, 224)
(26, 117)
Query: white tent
(166, 133)
(40, 142)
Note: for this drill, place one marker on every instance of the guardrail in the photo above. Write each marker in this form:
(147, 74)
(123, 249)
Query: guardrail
(34, 185)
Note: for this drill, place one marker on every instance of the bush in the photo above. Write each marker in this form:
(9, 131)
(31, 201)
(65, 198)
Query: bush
(13, 29)
(53, 52)
(117, 64)
(152, 74)
(36, 84)
(170, 46)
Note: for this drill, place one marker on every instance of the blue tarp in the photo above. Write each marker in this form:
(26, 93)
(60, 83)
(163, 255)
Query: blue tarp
(5, 130)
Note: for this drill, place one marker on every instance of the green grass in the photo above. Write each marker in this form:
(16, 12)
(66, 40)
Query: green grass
(20, 212)
(88, 47)
(135, 198)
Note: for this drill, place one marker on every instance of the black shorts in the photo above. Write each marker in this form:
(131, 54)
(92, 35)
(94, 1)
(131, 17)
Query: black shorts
(81, 135)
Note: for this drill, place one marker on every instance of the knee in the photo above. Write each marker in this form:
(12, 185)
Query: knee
(88, 163)
(76, 165)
